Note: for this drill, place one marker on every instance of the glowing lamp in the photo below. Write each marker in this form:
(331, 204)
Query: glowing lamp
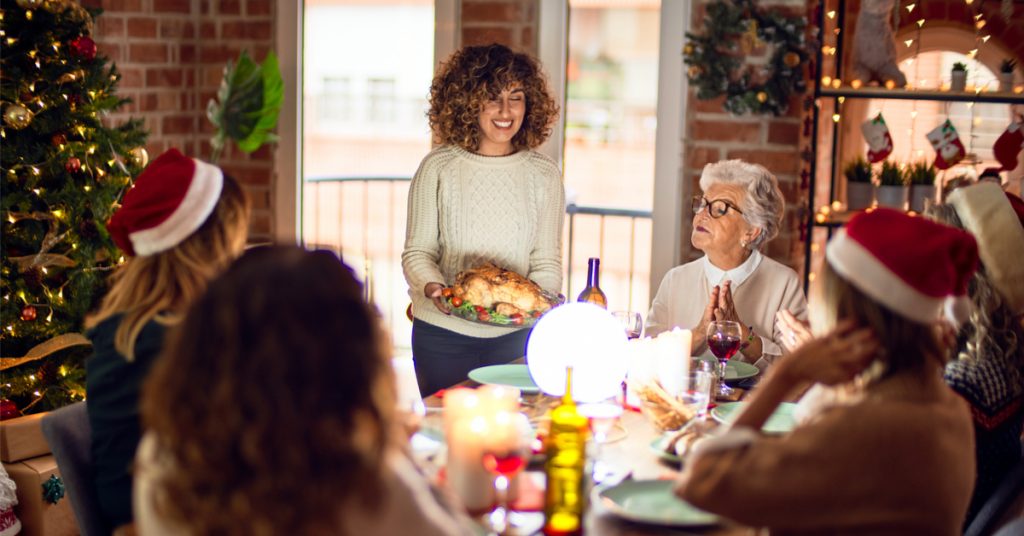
(588, 339)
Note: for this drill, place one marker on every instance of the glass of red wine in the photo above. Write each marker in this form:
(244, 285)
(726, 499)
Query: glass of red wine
(505, 457)
(631, 322)
(724, 340)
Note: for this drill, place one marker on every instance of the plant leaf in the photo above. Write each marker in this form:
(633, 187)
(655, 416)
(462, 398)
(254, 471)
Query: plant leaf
(247, 105)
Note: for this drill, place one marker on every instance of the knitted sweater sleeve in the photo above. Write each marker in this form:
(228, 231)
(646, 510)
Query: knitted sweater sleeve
(422, 246)
(546, 256)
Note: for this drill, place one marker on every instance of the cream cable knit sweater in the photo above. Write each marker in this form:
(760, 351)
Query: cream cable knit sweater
(466, 209)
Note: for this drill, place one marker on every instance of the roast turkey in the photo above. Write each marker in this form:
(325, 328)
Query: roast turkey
(505, 291)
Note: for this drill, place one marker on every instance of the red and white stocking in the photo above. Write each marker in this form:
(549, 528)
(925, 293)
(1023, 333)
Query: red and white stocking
(948, 148)
(876, 133)
(1009, 145)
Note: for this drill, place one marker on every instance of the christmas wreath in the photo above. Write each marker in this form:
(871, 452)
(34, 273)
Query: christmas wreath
(733, 29)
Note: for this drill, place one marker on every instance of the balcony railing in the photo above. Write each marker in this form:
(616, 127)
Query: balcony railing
(364, 218)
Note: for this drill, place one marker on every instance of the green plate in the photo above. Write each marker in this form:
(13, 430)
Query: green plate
(734, 370)
(517, 376)
(658, 446)
(652, 501)
(781, 422)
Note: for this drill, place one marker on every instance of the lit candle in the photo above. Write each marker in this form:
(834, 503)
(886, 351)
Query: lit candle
(466, 474)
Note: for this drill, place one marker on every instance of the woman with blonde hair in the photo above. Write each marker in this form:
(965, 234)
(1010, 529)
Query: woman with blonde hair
(894, 457)
(181, 224)
(988, 370)
(272, 411)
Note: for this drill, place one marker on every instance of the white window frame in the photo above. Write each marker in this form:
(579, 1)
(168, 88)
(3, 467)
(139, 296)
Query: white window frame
(287, 202)
(669, 185)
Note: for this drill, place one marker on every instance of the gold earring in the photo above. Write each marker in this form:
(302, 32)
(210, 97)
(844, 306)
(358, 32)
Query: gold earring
(743, 243)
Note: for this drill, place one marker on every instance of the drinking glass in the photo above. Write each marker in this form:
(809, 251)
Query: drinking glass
(631, 322)
(697, 392)
(602, 417)
(724, 339)
(505, 457)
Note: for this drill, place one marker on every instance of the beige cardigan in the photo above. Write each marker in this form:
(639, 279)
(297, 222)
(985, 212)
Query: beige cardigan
(899, 461)
(771, 287)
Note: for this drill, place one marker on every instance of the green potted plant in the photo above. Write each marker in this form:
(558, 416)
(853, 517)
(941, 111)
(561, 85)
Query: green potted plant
(892, 185)
(1006, 74)
(858, 183)
(958, 78)
(921, 177)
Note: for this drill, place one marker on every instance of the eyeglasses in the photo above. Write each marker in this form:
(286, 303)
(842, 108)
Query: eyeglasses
(716, 207)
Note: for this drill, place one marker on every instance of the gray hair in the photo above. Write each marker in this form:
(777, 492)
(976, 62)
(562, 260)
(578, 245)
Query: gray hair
(763, 205)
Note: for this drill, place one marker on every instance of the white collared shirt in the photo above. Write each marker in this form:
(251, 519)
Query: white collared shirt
(739, 274)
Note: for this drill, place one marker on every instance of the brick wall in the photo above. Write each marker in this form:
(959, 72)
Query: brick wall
(712, 134)
(171, 54)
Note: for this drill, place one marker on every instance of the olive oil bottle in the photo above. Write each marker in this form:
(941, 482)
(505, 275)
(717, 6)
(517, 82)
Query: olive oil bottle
(565, 497)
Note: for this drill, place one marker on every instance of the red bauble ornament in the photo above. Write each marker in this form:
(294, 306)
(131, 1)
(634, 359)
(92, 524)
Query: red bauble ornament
(28, 313)
(83, 47)
(73, 165)
(58, 139)
(8, 410)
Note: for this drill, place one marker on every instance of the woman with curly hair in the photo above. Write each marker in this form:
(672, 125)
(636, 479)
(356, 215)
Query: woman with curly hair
(182, 223)
(272, 411)
(989, 370)
(484, 195)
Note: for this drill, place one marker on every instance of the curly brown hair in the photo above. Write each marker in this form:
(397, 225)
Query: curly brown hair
(272, 404)
(476, 74)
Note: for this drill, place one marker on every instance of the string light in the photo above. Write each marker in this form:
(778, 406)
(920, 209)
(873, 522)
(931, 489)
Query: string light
(832, 14)
(35, 171)
(856, 83)
(985, 38)
(28, 15)
(837, 83)
(908, 42)
(826, 80)
(910, 7)
(58, 213)
(920, 23)
(835, 118)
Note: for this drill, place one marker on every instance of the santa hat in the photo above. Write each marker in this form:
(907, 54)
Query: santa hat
(915, 267)
(988, 213)
(169, 201)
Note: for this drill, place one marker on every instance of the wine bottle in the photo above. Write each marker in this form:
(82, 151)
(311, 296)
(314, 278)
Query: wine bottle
(565, 467)
(593, 293)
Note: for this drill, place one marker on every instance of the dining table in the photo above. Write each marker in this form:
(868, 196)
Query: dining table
(630, 453)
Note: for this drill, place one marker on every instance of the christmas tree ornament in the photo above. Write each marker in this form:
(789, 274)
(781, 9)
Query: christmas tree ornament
(948, 148)
(58, 139)
(83, 47)
(8, 409)
(73, 165)
(791, 59)
(139, 157)
(28, 313)
(1009, 145)
(879, 140)
(762, 97)
(17, 116)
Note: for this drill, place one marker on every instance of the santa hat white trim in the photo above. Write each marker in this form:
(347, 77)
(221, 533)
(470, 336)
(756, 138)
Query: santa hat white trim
(986, 213)
(199, 202)
(863, 270)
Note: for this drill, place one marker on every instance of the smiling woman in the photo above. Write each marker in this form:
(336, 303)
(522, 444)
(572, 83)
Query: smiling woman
(740, 211)
(483, 196)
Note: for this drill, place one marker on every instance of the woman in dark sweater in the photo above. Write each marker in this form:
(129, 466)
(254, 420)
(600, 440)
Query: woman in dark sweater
(182, 224)
(989, 370)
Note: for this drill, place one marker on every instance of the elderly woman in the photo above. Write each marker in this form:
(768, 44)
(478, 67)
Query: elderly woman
(740, 211)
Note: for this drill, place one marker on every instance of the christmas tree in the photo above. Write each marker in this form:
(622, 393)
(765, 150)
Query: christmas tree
(64, 166)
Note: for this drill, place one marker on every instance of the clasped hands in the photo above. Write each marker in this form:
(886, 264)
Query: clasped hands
(720, 307)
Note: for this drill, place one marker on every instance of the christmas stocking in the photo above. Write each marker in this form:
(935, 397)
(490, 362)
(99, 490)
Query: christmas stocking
(948, 148)
(878, 138)
(1008, 146)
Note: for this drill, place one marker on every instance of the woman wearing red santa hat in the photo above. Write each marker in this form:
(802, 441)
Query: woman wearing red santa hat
(181, 224)
(989, 370)
(891, 459)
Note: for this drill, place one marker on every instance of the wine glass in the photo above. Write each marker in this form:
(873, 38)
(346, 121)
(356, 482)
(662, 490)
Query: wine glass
(631, 322)
(505, 456)
(724, 339)
(602, 417)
